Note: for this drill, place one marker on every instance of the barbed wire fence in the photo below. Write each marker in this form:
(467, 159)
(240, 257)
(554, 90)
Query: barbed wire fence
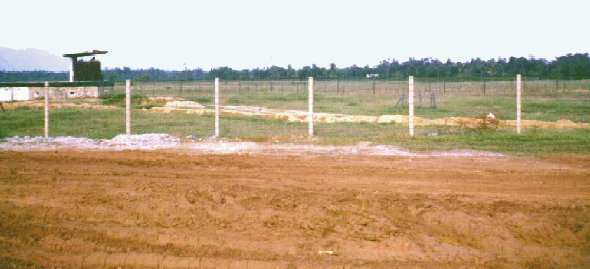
(370, 110)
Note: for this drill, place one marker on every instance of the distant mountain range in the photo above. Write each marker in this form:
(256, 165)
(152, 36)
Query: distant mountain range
(30, 60)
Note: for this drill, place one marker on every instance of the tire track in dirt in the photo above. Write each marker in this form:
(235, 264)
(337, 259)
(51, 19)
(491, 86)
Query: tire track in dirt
(177, 209)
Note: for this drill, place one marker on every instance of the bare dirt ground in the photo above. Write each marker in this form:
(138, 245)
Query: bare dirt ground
(180, 209)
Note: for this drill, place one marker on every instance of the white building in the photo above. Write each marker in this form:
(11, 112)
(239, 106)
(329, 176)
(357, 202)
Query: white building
(23, 91)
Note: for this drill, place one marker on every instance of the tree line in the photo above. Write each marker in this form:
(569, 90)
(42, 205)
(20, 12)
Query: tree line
(570, 66)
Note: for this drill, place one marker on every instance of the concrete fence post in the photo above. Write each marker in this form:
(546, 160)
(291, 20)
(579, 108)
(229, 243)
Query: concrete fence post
(72, 69)
(310, 106)
(518, 104)
(128, 107)
(46, 93)
(411, 105)
(217, 107)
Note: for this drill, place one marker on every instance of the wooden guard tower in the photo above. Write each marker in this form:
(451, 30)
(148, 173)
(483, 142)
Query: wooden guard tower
(81, 70)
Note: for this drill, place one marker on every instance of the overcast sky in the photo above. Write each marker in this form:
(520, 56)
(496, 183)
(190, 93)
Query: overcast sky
(256, 33)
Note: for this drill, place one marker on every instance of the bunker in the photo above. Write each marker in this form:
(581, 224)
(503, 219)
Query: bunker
(85, 81)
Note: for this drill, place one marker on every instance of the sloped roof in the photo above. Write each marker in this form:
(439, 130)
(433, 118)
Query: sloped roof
(85, 53)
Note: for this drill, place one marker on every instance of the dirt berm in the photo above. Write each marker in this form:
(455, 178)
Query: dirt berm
(301, 116)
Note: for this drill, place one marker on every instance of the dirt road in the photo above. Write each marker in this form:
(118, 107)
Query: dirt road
(184, 210)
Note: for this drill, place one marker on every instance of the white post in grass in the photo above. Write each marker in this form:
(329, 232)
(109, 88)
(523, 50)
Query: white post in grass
(46, 109)
(518, 104)
(216, 107)
(128, 107)
(310, 106)
(411, 105)
(73, 60)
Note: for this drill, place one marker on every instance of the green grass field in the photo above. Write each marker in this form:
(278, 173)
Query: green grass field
(545, 109)
(108, 123)
(542, 100)
(571, 101)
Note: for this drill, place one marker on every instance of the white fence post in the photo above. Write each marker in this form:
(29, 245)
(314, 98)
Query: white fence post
(310, 106)
(411, 105)
(216, 107)
(518, 104)
(46, 109)
(72, 60)
(128, 107)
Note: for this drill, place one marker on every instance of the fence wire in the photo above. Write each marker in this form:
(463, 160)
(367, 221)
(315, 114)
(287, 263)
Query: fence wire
(369, 110)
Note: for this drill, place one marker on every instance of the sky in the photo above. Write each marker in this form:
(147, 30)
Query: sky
(178, 34)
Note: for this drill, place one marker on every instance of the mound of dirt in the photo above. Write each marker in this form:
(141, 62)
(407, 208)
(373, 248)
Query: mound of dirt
(362, 149)
(120, 142)
(301, 116)
(145, 141)
(59, 104)
(213, 146)
(184, 104)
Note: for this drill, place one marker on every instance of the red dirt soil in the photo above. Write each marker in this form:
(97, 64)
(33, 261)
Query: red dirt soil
(169, 209)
